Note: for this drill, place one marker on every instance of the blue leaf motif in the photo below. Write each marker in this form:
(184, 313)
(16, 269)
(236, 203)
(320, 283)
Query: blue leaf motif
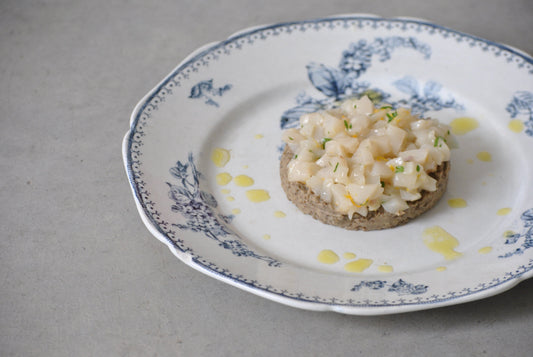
(431, 89)
(527, 217)
(326, 79)
(407, 85)
(291, 117)
(208, 199)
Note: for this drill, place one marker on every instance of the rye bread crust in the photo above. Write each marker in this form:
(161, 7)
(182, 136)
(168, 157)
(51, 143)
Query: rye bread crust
(311, 204)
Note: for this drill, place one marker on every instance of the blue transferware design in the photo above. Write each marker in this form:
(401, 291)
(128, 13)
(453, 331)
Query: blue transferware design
(526, 235)
(400, 287)
(198, 208)
(144, 116)
(343, 82)
(206, 90)
(423, 98)
(522, 103)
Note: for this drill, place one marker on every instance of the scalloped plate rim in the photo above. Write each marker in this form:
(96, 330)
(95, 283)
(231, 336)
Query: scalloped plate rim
(188, 259)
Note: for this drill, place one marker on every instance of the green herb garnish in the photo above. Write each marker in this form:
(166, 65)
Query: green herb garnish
(399, 169)
(417, 168)
(290, 138)
(346, 125)
(386, 107)
(324, 141)
(296, 156)
(336, 167)
(383, 184)
(355, 106)
(437, 140)
(391, 116)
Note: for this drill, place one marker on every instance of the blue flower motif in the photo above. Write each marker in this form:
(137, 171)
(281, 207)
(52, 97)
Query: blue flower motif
(403, 288)
(357, 58)
(400, 287)
(198, 209)
(526, 235)
(522, 104)
(179, 171)
(338, 83)
(206, 90)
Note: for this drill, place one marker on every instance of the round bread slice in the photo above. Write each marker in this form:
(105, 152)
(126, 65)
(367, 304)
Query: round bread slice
(311, 204)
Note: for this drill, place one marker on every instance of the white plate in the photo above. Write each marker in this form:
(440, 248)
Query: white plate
(238, 94)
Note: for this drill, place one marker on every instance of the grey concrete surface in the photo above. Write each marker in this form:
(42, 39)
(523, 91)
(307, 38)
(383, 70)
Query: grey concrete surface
(80, 275)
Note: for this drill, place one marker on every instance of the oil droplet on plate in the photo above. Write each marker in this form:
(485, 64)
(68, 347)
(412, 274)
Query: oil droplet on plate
(349, 255)
(328, 256)
(503, 211)
(230, 198)
(259, 136)
(442, 242)
(470, 161)
(463, 125)
(220, 157)
(236, 211)
(484, 156)
(441, 268)
(516, 125)
(257, 195)
(456, 203)
(244, 166)
(225, 191)
(508, 234)
(223, 178)
(279, 214)
(485, 250)
(385, 268)
(266, 236)
(358, 266)
(243, 181)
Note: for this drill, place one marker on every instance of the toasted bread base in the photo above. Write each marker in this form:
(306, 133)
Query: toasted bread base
(313, 205)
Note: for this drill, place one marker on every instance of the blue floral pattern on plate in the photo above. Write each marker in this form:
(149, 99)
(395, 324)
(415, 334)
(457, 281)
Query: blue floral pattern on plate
(522, 104)
(399, 287)
(526, 237)
(199, 209)
(181, 227)
(343, 81)
(206, 90)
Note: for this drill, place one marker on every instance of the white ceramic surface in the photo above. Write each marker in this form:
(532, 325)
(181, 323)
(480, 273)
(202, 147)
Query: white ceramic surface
(240, 93)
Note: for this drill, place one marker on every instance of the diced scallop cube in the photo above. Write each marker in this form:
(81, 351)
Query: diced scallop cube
(301, 171)
(361, 194)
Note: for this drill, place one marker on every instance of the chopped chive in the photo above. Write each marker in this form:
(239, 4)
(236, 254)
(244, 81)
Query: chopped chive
(324, 141)
(346, 125)
(383, 184)
(296, 156)
(386, 107)
(391, 116)
(417, 168)
(399, 169)
(437, 140)
(290, 138)
(336, 167)
(355, 106)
